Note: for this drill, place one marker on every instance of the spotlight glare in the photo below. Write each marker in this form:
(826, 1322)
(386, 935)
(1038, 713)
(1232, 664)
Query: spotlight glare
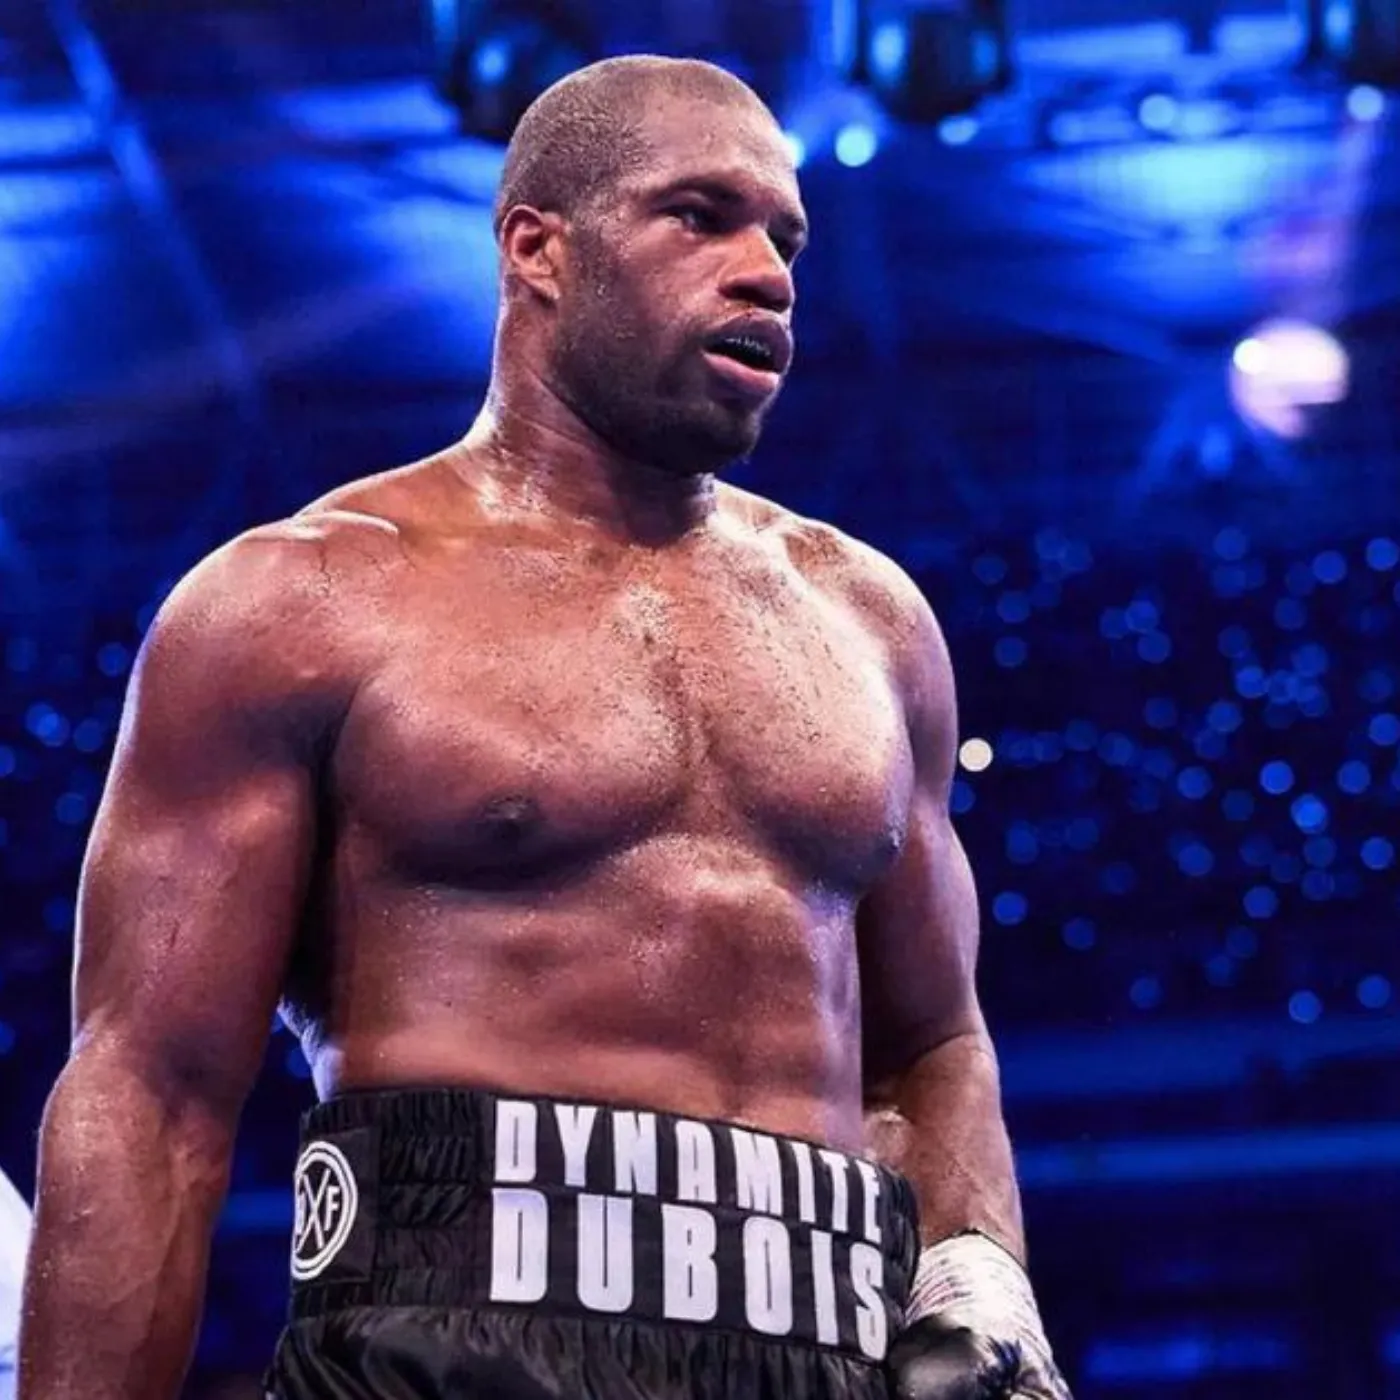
(1366, 103)
(1159, 111)
(1251, 356)
(976, 755)
(889, 50)
(797, 148)
(856, 145)
(1285, 372)
(958, 131)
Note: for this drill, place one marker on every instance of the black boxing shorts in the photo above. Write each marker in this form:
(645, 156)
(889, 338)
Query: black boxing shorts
(456, 1245)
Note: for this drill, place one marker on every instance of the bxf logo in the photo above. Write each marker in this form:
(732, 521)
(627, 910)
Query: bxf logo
(327, 1200)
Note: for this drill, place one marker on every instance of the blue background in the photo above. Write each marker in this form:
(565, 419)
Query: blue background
(245, 255)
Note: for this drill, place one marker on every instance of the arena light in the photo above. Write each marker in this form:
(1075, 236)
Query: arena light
(1361, 37)
(1283, 374)
(491, 59)
(976, 755)
(927, 62)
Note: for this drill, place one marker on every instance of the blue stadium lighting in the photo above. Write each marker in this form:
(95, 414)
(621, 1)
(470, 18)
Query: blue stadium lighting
(1158, 112)
(1079, 934)
(1238, 806)
(7, 761)
(491, 60)
(1013, 607)
(1146, 993)
(1118, 878)
(114, 659)
(71, 809)
(1196, 860)
(1158, 763)
(1320, 852)
(1329, 567)
(797, 148)
(1193, 783)
(1377, 853)
(1354, 777)
(989, 569)
(1160, 713)
(1304, 1007)
(1113, 624)
(1242, 942)
(47, 725)
(1117, 750)
(1290, 615)
(1384, 730)
(1224, 717)
(1022, 844)
(1142, 616)
(1231, 544)
(1309, 813)
(1081, 736)
(1318, 886)
(1009, 908)
(856, 145)
(1382, 554)
(89, 736)
(1010, 652)
(889, 50)
(963, 799)
(1376, 686)
(1260, 902)
(961, 130)
(1366, 103)
(59, 914)
(1154, 648)
(1374, 992)
(1339, 23)
(1276, 777)
(21, 654)
(1257, 851)
(7, 1037)
(1285, 869)
(1221, 970)
(1234, 643)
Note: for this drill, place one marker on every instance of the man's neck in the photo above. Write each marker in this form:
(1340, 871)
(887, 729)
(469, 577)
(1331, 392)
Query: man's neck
(531, 453)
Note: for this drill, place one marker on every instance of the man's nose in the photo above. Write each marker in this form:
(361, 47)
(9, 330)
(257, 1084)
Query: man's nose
(759, 276)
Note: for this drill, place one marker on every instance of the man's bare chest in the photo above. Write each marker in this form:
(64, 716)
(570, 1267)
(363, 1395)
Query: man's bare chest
(547, 721)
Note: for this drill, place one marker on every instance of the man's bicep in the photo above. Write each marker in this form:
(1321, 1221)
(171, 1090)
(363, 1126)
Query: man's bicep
(197, 867)
(917, 932)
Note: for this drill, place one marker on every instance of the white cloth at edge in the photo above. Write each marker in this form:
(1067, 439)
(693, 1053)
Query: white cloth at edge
(14, 1243)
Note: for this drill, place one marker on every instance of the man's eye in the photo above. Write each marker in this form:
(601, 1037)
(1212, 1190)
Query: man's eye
(695, 219)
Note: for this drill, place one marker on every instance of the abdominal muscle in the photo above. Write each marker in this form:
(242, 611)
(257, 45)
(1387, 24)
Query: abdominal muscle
(738, 1003)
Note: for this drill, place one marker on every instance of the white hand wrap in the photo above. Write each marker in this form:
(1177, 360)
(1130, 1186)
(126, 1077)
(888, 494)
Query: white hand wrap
(971, 1281)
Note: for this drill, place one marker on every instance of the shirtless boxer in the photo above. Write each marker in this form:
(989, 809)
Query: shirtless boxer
(589, 819)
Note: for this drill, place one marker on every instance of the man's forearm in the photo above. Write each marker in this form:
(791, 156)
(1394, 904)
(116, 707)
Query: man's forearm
(940, 1123)
(127, 1194)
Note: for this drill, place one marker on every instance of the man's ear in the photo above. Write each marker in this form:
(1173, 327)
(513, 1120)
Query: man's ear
(532, 250)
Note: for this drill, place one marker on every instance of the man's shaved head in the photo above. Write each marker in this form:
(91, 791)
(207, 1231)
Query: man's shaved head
(649, 211)
(583, 135)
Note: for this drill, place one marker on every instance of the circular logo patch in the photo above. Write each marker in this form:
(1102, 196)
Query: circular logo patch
(327, 1200)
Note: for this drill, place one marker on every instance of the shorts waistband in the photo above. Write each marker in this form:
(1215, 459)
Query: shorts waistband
(469, 1198)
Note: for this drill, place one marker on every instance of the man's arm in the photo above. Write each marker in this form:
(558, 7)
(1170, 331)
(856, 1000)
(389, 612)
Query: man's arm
(189, 902)
(933, 1092)
(972, 1328)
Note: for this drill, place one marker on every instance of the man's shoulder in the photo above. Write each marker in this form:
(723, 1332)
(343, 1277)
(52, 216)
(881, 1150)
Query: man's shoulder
(834, 561)
(279, 614)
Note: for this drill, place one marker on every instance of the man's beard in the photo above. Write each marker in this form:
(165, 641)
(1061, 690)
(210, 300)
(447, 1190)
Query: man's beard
(664, 419)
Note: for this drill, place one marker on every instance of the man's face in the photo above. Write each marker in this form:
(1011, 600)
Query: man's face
(674, 332)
